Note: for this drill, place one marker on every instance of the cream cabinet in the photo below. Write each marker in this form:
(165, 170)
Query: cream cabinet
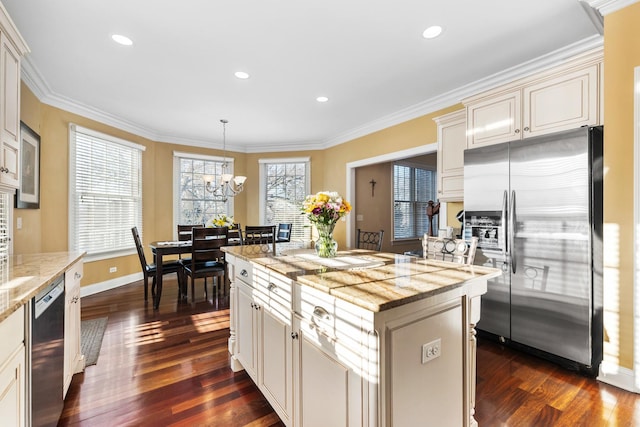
(563, 98)
(13, 370)
(452, 141)
(12, 48)
(73, 357)
(263, 344)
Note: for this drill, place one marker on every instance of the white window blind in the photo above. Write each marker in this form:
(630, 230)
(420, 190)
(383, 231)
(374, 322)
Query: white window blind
(413, 187)
(285, 184)
(193, 204)
(105, 193)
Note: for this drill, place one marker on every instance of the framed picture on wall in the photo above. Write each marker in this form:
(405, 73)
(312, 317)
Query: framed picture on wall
(28, 195)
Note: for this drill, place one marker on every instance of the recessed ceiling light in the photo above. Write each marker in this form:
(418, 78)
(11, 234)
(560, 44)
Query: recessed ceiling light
(123, 40)
(432, 32)
(322, 99)
(241, 75)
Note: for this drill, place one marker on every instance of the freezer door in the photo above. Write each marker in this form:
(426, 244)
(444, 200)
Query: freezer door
(486, 184)
(551, 296)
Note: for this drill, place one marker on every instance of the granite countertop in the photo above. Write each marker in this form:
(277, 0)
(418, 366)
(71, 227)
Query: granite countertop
(23, 276)
(376, 281)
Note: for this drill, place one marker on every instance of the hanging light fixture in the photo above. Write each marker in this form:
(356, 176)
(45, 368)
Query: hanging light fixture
(229, 185)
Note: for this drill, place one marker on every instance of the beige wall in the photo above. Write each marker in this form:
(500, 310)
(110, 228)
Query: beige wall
(621, 56)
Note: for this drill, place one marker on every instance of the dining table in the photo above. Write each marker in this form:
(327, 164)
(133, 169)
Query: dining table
(160, 249)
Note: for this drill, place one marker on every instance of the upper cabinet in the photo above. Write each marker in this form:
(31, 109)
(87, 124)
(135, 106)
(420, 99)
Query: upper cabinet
(566, 97)
(12, 48)
(452, 141)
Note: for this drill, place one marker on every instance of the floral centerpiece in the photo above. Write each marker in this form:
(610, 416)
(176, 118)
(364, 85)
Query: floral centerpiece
(324, 209)
(220, 220)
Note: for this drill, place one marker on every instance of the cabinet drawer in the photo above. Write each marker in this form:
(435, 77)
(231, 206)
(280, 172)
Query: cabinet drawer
(244, 271)
(277, 286)
(11, 334)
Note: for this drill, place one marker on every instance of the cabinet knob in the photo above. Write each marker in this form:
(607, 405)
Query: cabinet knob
(77, 275)
(526, 129)
(253, 305)
(272, 287)
(517, 131)
(244, 273)
(294, 335)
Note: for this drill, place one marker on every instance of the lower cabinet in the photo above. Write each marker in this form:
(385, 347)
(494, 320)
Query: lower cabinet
(322, 361)
(73, 358)
(13, 370)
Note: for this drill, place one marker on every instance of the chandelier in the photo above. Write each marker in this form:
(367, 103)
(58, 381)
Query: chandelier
(229, 185)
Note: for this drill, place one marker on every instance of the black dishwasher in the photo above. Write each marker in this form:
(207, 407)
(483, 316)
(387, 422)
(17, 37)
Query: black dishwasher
(47, 354)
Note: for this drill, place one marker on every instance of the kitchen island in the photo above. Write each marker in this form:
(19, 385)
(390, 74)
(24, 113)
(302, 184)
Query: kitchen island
(363, 339)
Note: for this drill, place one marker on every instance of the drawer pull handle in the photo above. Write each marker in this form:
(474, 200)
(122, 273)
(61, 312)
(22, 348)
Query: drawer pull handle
(244, 273)
(294, 335)
(321, 313)
(272, 287)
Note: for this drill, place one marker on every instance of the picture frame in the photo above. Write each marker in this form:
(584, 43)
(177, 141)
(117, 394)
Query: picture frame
(28, 195)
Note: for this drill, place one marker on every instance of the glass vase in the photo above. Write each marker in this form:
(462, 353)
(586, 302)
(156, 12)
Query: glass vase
(326, 246)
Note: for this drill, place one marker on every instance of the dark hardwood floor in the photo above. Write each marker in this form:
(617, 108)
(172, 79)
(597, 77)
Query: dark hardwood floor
(171, 367)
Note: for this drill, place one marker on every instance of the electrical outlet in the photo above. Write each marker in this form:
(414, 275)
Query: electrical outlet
(113, 269)
(431, 350)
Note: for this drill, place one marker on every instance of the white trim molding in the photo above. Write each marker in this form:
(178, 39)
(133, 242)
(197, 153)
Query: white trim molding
(95, 288)
(606, 7)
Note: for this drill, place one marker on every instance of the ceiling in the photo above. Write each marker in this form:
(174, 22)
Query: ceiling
(367, 56)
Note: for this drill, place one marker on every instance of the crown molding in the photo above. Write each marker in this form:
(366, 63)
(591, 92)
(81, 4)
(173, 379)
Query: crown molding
(606, 7)
(38, 85)
(455, 96)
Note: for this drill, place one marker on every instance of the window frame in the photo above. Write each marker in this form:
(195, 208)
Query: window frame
(177, 156)
(264, 164)
(413, 165)
(74, 244)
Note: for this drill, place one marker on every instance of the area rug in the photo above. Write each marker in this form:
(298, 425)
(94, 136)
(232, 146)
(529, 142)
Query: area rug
(92, 332)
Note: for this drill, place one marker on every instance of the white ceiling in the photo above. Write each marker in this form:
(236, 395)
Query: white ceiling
(367, 56)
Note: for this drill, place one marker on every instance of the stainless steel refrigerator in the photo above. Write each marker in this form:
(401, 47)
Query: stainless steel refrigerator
(536, 207)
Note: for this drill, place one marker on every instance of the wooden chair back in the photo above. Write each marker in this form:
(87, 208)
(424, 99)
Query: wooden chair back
(259, 234)
(284, 233)
(140, 249)
(369, 240)
(448, 249)
(184, 231)
(207, 243)
(235, 235)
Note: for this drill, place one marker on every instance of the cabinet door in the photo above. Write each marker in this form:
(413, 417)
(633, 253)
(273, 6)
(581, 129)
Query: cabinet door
(9, 113)
(246, 335)
(12, 390)
(494, 120)
(73, 358)
(276, 365)
(567, 101)
(328, 380)
(452, 141)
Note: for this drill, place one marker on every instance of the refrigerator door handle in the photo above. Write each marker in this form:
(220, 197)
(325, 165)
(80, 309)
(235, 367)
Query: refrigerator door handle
(512, 232)
(503, 222)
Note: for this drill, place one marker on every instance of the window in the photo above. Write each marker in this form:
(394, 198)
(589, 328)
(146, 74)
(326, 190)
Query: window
(195, 205)
(105, 193)
(284, 186)
(413, 187)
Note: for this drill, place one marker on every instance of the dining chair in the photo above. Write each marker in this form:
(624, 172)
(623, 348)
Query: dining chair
(448, 249)
(184, 232)
(369, 240)
(150, 269)
(283, 233)
(207, 258)
(259, 234)
(235, 235)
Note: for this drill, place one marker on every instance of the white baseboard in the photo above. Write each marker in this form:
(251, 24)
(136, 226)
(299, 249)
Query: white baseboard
(110, 284)
(617, 376)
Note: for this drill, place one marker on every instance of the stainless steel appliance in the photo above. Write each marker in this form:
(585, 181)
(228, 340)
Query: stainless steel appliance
(536, 207)
(47, 354)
